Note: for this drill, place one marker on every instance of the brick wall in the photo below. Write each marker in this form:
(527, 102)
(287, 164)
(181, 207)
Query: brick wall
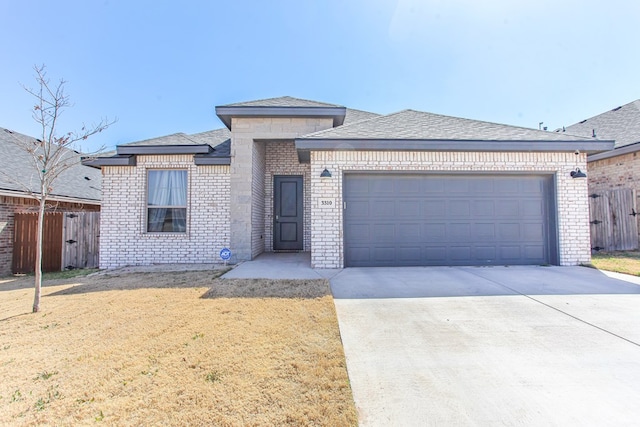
(11, 205)
(282, 159)
(616, 173)
(248, 174)
(123, 236)
(257, 200)
(571, 194)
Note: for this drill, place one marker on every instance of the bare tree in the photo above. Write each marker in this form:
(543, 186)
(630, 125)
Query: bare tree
(51, 154)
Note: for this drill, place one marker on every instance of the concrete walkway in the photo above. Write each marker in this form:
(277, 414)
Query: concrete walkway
(270, 265)
(490, 346)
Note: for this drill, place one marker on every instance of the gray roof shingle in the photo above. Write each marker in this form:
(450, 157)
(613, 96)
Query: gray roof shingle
(18, 165)
(283, 101)
(621, 123)
(218, 139)
(417, 125)
(354, 116)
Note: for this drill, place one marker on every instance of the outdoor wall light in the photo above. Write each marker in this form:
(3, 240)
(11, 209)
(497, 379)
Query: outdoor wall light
(325, 173)
(578, 174)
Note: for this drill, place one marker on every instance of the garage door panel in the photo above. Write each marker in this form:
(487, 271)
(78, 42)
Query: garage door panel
(410, 254)
(482, 186)
(384, 232)
(435, 254)
(484, 232)
(531, 187)
(510, 253)
(426, 219)
(507, 186)
(435, 232)
(409, 187)
(459, 232)
(434, 209)
(460, 253)
(459, 208)
(533, 231)
(410, 232)
(457, 185)
(532, 208)
(508, 208)
(360, 232)
(433, 186)
(383, 208)
(359, 254)
(534, 252)
(480, 208)
(485, 253)
(408, 208)
(358, 209)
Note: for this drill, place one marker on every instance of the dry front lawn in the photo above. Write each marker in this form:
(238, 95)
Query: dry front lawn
(627, 262)
(171, 349)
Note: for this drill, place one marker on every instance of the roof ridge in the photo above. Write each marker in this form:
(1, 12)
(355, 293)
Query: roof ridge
(284, 97)
(359, 122)
(481, 121)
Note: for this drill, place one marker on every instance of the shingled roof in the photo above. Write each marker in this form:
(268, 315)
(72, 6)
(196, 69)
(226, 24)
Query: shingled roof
(418, 125)
(283, 101)
(621, 124)
(18, 171)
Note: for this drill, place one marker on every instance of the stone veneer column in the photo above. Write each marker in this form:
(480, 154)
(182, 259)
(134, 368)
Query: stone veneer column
(248, 170)
(241, 189)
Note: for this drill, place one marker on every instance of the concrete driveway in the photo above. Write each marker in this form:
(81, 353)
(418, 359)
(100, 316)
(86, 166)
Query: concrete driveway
(487, 346)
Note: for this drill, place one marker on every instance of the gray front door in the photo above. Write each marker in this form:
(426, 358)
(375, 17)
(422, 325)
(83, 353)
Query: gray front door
(287, 213)
(397, 219)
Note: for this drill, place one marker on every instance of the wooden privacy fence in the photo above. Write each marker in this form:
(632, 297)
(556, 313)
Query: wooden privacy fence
(614, 225)
(71, 240)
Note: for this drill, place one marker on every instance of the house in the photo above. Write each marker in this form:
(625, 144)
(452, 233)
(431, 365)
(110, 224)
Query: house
(620, 167)
(352, 188)
(76, 189)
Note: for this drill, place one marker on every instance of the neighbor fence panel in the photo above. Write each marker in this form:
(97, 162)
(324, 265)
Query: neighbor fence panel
(81, 240)
(25, 242)
(613, 220)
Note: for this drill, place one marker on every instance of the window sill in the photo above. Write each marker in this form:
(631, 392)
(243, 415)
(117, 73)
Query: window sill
(165, 235)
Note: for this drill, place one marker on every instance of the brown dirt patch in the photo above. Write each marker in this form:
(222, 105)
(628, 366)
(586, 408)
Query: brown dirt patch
(147, 349)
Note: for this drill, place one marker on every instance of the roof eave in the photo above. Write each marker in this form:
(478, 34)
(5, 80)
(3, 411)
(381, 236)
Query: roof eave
(317, 144)
(226, 113)
(50, 197)
(117, 160)
(632, 148)
(201, 160)
(163, 149)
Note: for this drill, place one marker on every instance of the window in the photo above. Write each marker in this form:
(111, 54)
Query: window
(167, 201)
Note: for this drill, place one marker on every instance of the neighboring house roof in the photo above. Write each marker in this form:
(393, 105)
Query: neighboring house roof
(19, 176)
(621, 124)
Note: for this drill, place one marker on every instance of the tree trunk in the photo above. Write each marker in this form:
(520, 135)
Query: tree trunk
(39, 244)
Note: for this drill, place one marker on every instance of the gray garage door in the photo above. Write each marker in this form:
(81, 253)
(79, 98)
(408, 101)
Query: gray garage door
(425, 219)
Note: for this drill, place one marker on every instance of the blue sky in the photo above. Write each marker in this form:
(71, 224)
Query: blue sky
(161, 67)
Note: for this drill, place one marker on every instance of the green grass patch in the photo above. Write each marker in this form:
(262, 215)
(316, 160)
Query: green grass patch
(627, 262)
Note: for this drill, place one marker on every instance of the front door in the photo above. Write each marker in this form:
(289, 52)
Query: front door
(287, 213)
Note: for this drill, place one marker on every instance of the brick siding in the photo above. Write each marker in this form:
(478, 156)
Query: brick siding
(9, 206)
(571, 194)
(248, 136)
(616, 173)
(282, 159)
(124, 239)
